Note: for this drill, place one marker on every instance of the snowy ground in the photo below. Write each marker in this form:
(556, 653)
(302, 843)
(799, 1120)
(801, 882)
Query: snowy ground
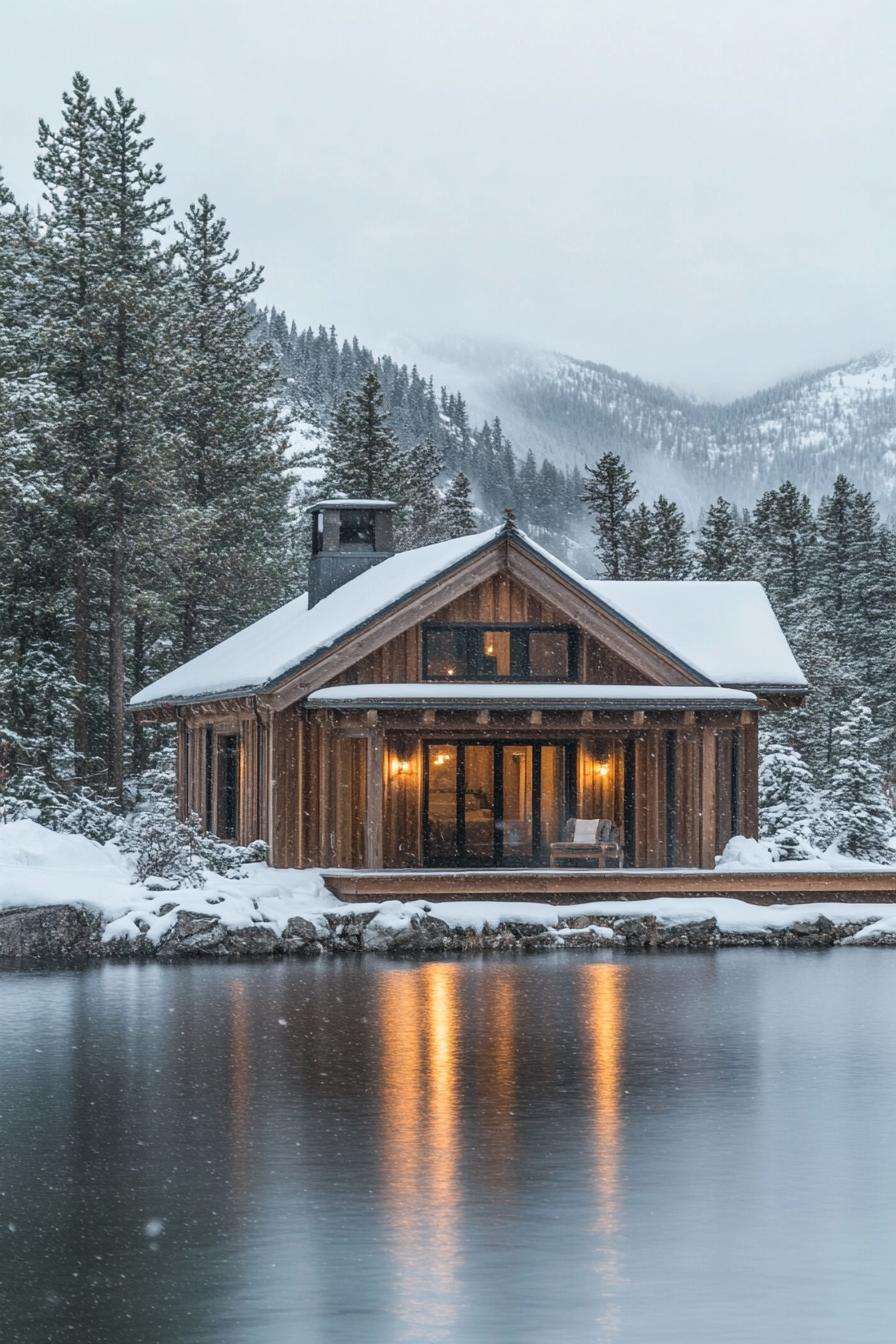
(39, 867)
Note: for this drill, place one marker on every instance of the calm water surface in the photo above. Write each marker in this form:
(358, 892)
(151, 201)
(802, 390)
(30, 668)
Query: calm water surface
(563, 1148)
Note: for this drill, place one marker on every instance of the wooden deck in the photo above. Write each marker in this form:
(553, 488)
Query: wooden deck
(567, 885)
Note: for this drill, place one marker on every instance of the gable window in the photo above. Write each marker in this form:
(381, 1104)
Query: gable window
(499, 653)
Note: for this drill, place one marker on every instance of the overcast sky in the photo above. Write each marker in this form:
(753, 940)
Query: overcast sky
(702, 192)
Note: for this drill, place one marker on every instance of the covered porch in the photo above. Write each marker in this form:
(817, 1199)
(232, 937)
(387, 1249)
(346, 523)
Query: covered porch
(444, 779)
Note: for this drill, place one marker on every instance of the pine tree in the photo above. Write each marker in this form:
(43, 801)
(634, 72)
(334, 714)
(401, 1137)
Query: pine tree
(420, 518)
(133, 386)
(861, 819)
(670, 556)
(71, 274)
(788, 803)
(230, 558)
(362, 458)
(36, 688)
(638, 543)
(609, 492)
(783, 544)
(720, 544)
(459, 519)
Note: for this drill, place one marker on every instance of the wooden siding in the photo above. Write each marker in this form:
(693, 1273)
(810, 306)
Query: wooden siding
(504, 600)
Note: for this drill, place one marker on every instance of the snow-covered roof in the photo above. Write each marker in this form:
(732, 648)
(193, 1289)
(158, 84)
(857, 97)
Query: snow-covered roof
(286, 638)
(726, 633)
(727, 629)
(460, 695)
(348, 503)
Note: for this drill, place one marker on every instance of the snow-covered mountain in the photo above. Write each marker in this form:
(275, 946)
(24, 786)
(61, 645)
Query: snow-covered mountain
(571, 410)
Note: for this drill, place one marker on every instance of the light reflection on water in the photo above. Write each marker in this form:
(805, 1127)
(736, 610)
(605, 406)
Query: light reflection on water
(604, 1014)
(567, 1148)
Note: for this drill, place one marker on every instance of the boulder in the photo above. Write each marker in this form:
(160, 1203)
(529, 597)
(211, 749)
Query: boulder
(50, 933)
(256, 940)
(194, 935)
(695, 933)
(301, 938)
(421, 933)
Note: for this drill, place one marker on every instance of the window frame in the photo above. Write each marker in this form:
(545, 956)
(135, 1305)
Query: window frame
(519, 650)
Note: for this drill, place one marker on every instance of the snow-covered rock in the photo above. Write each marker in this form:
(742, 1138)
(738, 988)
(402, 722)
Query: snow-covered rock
(64, 899)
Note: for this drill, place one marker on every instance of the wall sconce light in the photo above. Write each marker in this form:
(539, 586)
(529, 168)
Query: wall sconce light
(602, 768)
(402, 767)
(441, 758)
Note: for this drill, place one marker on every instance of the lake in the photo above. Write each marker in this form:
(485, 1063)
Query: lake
(668, 1149)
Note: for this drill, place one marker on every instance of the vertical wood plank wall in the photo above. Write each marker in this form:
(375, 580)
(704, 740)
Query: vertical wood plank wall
(316, 792)
(502, 600)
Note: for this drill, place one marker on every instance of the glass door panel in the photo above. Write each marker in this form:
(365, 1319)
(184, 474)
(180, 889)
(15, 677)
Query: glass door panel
(518, 793)
(441, 818)
(552, 812)
(479, 803)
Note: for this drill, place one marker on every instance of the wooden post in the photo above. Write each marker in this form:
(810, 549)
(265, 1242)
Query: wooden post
(708, 798)
(749, 778)
(375, 800)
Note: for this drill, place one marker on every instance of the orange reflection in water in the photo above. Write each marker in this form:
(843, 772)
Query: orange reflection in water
(604, 1011)
(421, 1143)
(239, 1055)
(497, 1089)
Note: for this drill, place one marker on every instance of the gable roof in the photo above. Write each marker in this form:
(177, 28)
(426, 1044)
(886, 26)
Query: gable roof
(726, 628)
(721, 633)
(284, 639)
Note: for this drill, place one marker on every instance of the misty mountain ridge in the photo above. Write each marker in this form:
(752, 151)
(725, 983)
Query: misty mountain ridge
(806, 428)
(524, 424)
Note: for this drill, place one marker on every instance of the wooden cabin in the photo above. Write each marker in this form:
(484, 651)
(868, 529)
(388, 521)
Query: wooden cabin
(453, 706)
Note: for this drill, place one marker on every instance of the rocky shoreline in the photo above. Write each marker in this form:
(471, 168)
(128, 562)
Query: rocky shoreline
(69, 935)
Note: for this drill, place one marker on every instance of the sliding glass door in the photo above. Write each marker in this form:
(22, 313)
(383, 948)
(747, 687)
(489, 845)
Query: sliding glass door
(495, 804)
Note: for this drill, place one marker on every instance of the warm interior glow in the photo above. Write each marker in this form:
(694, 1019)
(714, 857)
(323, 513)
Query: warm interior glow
(420, 1150)
(604, 1013)
(603, 768)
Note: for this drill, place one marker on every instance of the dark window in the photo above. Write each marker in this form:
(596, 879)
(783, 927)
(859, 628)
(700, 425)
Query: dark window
(227, 786)
(499, 653)
(446, 654)
(356, 530)
(549, 655)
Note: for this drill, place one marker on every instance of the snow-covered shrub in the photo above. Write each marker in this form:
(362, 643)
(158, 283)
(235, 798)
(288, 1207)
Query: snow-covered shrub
(27, 795)
(790, 820)
(160, 845)
(862, 819)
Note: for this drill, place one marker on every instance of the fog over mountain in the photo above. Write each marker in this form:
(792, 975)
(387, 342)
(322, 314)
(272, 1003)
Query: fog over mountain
(568, 411)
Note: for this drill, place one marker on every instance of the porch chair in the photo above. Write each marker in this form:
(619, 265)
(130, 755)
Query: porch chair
(588, 841)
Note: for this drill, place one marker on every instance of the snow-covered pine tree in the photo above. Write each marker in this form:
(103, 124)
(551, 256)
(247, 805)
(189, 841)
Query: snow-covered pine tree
(362, 458)
(230, 553)
(670, 556)
(135, 368)
(782, 541)
(36, 688)
(720, 543)
(70, 271)
(860, 817)
(638, 542)
(609, 493)
(789, 807)
(458, 516)
(421, 518)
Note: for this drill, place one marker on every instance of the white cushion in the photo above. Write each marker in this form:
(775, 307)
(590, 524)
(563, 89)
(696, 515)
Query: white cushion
(585, 832)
